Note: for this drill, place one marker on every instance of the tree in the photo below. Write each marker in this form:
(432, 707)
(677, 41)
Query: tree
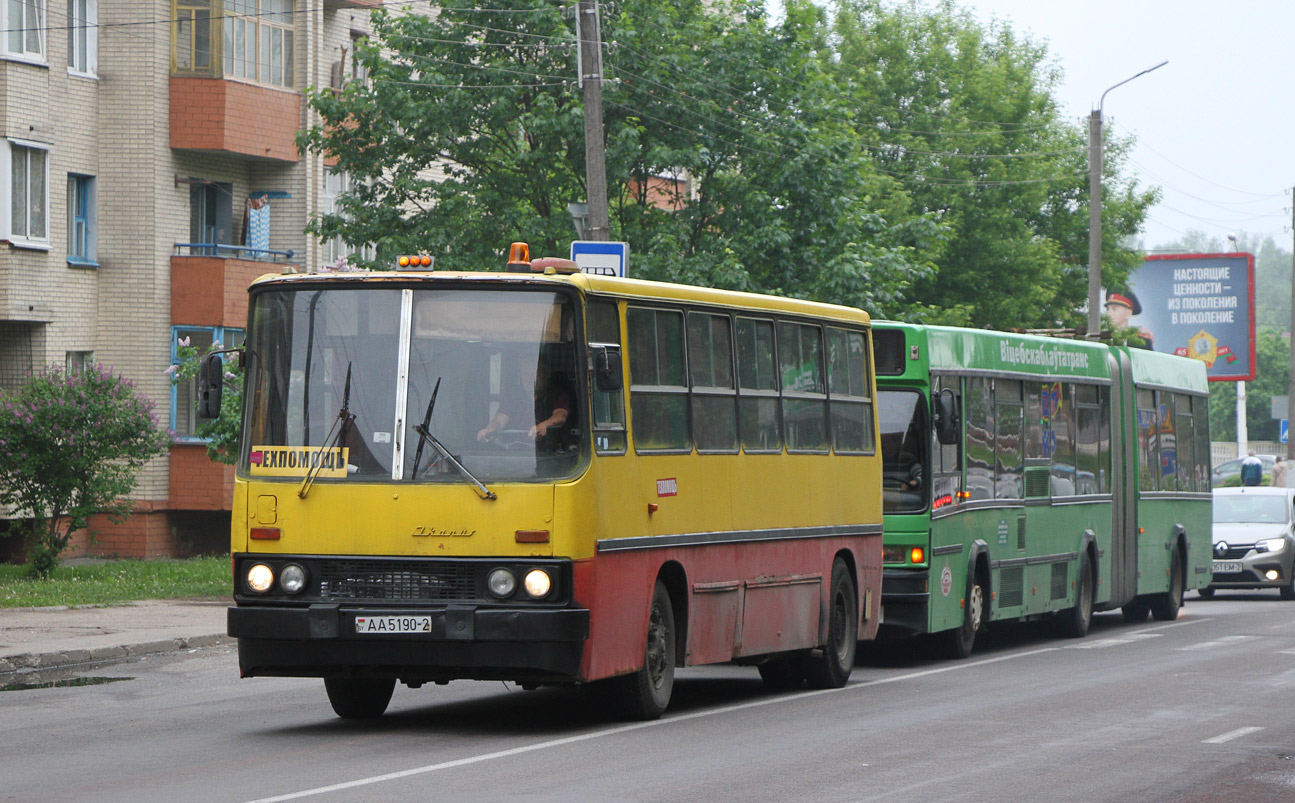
(74, 443)
(963, 116)
(729, 158)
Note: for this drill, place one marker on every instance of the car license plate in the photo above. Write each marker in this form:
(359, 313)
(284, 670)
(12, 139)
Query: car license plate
(393, 624)
(1227, 567)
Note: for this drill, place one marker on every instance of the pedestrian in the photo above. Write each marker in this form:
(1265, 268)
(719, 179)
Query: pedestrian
(1252, 470)
(1279, 473)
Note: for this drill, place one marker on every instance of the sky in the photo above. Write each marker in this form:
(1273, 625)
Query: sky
(1214, 128)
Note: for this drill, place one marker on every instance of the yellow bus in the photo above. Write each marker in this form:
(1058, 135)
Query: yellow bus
(547, 477)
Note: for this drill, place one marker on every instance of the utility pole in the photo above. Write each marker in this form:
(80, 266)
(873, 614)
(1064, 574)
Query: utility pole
(1095, 208)
(1290, 390)
(591, 81)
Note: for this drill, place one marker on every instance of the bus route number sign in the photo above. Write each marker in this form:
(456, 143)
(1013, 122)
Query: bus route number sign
(393, 624)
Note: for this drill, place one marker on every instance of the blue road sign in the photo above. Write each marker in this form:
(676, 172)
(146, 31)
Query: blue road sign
(1286, 430)
(602, 258)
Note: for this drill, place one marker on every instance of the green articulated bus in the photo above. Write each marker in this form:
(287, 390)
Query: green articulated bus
(1029, 476)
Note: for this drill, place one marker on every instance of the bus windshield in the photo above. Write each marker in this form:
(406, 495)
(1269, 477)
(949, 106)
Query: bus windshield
(388, 384)
(904, 471)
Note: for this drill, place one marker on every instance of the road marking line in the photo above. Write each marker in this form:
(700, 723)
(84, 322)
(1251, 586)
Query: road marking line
(1114, 641)
(393, 776)
(1226, 641)
(1230, 735)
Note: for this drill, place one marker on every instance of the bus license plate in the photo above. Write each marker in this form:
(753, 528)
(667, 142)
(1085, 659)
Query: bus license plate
(393, 624)
(1227, 567)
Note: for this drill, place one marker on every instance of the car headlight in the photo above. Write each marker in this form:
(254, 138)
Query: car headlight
(1271, 545)
(538, 583)
(501, 583)
(260, 578)
(292, 579)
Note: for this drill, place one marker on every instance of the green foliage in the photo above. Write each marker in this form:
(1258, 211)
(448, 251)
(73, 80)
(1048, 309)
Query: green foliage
(221, 433)
(117, 581)
(1272, 378)
(73, 444)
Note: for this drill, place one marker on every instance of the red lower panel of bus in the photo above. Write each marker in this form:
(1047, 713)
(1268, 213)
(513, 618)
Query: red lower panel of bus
(738, 600)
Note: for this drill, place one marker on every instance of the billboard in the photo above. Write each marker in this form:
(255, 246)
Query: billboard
(1195, 305)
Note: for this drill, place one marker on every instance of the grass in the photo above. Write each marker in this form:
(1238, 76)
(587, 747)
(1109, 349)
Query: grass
(116, 581)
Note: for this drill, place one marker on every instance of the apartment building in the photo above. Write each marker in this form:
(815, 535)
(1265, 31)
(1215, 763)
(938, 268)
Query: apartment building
(148, 173)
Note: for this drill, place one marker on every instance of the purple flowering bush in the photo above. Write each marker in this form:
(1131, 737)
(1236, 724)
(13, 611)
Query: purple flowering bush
(73, 446)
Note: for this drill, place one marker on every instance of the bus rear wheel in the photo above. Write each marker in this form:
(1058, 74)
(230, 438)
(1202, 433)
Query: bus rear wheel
(645, 694)
(355, 698)
(1076, 620)
(830, 667)
(1165, 606)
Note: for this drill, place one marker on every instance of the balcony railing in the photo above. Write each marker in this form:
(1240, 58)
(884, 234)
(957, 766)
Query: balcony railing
(231, 251)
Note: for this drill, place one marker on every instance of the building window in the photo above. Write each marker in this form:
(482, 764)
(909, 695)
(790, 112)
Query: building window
(81, 214)
(26, 27)
(82, 43)
(28, 195)
(211, 212)
(337, 183)
(258, 40)
(77, 362)
(184, 394)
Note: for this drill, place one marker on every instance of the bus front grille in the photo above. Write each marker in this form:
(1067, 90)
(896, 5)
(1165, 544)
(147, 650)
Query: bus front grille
(397, 581)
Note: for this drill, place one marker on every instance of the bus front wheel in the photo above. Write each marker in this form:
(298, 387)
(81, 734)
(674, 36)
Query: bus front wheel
(645, 694)
(354, 698)
(958, 643)
(830, 668)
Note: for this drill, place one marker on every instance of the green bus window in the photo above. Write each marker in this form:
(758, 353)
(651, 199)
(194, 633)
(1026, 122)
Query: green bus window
(604, 327)
(1064, 481)
(901, 416)
(1104, 440)
(946, 474)
(1088, 414)
(1009, 479)
(658, 391)
(981, 437)
(1148, 454)
(1200, 406)
(710, 362)
(848, 386)
(1167, 441)
(759, 421)
(804, 397)
(1184, 442)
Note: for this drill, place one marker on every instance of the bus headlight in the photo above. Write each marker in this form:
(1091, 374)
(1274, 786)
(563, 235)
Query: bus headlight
(501, 583)
(260, 578)
(292, 579)
(538, 583)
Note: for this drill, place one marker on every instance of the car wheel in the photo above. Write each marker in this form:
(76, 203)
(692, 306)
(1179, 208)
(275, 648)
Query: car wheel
(1206, 593)
(1288, 590)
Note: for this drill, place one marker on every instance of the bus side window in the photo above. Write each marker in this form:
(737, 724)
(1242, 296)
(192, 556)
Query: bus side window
(603, 327)
(658, 383)
(981, 435)
(710, 363)
(758, 419)
(946, 473)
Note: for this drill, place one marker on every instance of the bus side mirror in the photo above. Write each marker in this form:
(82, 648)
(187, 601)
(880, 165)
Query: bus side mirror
(607, 369)
(211, 376)
(944, 407)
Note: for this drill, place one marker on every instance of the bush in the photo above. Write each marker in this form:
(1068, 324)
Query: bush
(74, 444)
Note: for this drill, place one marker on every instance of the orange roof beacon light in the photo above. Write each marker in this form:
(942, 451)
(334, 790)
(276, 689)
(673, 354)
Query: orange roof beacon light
(519, 257)
(414, 262)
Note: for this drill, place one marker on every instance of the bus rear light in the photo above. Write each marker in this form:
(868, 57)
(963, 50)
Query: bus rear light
(531, 536)
(917, 555)
(264, 533)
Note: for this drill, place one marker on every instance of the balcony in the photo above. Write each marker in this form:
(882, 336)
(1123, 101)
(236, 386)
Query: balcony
(209, 281)
(220, 116)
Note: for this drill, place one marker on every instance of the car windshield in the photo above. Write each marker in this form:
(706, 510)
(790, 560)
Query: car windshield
(1250, 509)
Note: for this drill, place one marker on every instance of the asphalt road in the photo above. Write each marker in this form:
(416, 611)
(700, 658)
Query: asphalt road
(1194, 710)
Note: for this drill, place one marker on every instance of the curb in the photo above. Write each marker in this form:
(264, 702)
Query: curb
(27, 662)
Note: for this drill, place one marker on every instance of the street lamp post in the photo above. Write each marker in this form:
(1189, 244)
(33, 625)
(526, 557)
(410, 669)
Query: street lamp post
(1095, 207)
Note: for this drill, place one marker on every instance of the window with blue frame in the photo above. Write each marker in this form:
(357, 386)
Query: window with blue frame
(81, 235)
(184, 394)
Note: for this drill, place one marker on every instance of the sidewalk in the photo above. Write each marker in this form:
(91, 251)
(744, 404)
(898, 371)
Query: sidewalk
(45, 638)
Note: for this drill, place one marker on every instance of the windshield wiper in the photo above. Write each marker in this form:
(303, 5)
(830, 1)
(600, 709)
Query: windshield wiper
(427, 421)
(341, 426)
(482, 491)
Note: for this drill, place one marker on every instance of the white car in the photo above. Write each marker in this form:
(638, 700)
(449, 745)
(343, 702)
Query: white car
(1254, 539)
